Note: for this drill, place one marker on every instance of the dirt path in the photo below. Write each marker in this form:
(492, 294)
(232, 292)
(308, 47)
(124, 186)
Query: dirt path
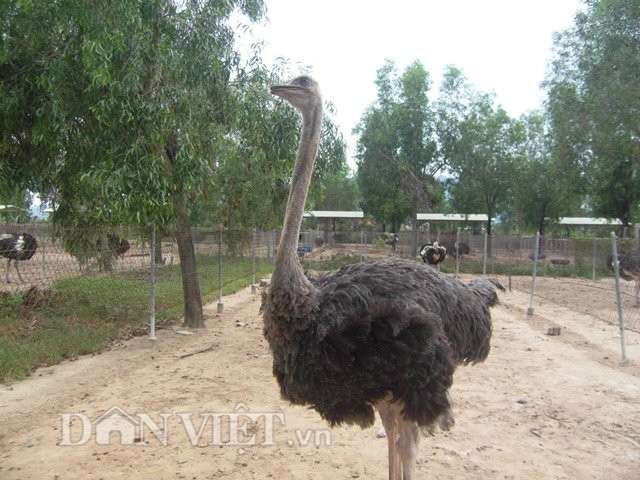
(541, 407)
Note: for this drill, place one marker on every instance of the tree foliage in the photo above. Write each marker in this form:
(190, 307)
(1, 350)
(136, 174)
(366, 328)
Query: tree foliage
(118, 109)
(140, 113)
(594, 103)
(543, 189)
(396, 153)
(480, 144)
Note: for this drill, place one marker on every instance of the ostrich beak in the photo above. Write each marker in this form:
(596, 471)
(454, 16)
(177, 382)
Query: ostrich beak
(302, 92)
(294, 94)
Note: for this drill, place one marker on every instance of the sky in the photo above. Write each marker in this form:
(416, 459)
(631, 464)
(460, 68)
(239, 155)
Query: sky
(502, 46)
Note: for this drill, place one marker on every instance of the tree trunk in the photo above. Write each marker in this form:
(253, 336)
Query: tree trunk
(157, 249)
(489, 224)
(542, 221)
(193, 316)
(414, 232)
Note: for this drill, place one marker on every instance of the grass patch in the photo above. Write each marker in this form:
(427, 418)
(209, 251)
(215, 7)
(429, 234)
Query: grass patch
(85, 314)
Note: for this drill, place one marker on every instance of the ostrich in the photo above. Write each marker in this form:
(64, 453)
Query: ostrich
(115, 247)
(385, 335)
(432, 253)
(462, 248)
(17, 247)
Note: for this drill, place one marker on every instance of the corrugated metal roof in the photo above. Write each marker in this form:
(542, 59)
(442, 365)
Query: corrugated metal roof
(333, 214)
(588, 221)
(453, 217)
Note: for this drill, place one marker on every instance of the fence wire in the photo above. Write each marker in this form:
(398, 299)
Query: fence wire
(574, 273)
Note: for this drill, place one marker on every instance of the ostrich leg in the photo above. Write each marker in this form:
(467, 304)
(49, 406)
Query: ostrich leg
(7, 272)
(15, 264)
(408, 442)
(391, 421)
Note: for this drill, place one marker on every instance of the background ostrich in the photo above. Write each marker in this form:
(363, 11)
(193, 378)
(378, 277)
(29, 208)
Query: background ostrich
(629, 267)
(432, 253)
(385, 335)
(111, 249)
(17, 247)
(463, 248)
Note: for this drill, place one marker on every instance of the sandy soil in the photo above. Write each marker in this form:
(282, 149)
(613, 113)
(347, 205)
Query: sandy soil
(540, 407)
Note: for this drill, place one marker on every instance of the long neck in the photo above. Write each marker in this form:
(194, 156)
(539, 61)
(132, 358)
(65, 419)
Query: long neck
(287, 256)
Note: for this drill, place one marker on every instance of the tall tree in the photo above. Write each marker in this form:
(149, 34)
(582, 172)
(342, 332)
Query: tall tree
(377, 174)
(120, 109)
(594, 102)
(253, 173)
(479, 143)
(543, 188)
(396, 148)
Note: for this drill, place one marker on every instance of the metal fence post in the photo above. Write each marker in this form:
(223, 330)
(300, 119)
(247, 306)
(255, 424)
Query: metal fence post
(456, 249)
(593, 260)
(484, 253)
(44, 260)
(152, 284)
(220, 304)
(254, 251)
(616, 269)
(533, 278)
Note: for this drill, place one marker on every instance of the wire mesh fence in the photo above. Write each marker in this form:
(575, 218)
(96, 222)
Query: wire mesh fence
(575, 273)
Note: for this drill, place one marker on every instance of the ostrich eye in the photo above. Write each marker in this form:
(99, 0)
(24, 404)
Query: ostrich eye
(303, 81)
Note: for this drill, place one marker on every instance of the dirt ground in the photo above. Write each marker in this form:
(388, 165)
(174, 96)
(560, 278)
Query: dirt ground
(205, 405)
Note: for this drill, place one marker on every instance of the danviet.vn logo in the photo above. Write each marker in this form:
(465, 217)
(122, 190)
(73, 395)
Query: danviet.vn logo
(239, 427)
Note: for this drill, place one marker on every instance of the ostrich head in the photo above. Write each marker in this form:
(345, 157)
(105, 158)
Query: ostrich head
(302, 92)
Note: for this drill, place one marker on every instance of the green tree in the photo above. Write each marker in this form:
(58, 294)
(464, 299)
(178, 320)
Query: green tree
(396, 149)
(542, 187)
(121, 110)
(377, 172)
(339, 192)
(594, 103)
(253, 173)
(479, 144)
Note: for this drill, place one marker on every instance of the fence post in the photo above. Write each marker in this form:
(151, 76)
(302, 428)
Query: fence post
(152, 284)
(484, 253)
(254, 251)
(220, 304)
(593, 260)
(533, 278)
(616, 269)
(456, 249)
(44, 260)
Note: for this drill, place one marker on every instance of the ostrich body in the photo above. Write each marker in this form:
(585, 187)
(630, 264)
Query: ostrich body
(115, 245)
(455, 248)
(113, 248)
(432, 253)
(384, 335)
(17, 247)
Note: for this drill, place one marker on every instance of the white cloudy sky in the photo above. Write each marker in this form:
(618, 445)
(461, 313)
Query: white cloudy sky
(501, 45)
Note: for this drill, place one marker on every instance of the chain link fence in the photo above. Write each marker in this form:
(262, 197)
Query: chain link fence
(575, 273)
